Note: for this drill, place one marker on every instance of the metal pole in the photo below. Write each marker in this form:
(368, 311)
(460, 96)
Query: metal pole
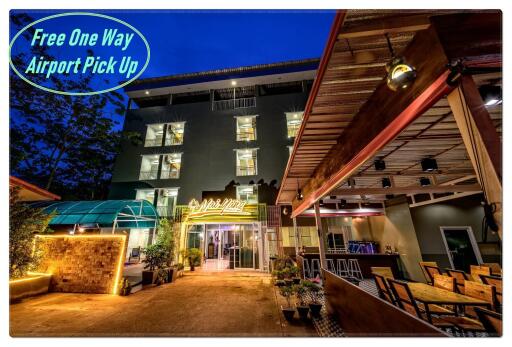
(321, 236)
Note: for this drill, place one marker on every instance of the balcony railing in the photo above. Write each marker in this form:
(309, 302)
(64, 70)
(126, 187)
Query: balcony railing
(245, 171)
(232, 104)
(165, 211)
(148, 175)
(174, 140)
(153, 142)
(165, 174)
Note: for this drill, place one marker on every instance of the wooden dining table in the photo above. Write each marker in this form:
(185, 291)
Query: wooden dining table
(430, 295)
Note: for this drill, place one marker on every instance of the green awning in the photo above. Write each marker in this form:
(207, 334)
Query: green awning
(106, 213)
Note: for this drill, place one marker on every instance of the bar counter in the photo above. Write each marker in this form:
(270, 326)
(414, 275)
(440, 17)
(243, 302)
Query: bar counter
(366, 261)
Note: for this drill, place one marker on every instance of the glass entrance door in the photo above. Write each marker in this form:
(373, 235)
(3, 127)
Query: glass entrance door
(244, 247)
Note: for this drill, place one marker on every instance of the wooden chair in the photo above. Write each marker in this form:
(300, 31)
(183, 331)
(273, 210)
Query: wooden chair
(497, 282)
(406, 302)
(460, 277)
(422, 266)
(495, 268)
(431, 271)
(383, 271)
(444, 282)
(383, 288)
(480, 291)
(492, 321)
(477, 270)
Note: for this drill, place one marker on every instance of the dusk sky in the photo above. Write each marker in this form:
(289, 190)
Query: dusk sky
(191, 41)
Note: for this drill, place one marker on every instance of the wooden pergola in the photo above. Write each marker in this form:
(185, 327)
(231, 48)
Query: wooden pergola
(352, 118)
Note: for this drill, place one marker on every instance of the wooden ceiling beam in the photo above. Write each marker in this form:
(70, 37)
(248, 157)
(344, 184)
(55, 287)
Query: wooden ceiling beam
(389, 25)
(395, 110)
(409, 190)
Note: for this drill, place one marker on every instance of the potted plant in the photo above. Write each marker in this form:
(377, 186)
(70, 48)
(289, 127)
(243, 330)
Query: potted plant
(294, 272)
(315, 305)
(288, 311)
(156, 258)
(179, 269)
(302, 306)
(287, 276)
(125, 287)
(278, 276)
(194, 257)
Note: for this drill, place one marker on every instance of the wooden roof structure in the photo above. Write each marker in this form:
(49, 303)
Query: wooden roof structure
(340, 136)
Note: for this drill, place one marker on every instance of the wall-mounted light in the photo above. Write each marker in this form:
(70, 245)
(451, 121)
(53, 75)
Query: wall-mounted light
(428, 164)
(424, 181)
(491, 94)
(386, 182)
(400, 74)
(380, 165)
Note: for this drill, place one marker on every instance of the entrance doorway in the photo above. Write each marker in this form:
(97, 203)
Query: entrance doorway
(461, 247)
(227, 246)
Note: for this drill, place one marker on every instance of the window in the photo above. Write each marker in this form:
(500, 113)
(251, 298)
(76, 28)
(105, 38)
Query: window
(246, 128)
(171, 165)
(154, 135)
(174, 135)
(246, 163)
(145, 194)
(149, 167)
(293, 121)
(166, 201)
(247, 193)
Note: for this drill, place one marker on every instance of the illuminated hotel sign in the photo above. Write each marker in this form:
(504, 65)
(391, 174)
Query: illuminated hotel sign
(217, 207)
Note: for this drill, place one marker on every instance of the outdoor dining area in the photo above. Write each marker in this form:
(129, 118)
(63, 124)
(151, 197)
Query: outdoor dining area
(452, 300)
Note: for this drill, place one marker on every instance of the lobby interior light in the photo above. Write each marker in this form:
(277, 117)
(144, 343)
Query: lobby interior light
(428, 164)
(424, 181)
(491, 94)
(380, 165)
(386, 182)
(400, 74)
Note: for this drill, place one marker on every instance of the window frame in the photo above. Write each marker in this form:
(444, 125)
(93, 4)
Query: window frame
(255, 158)
(254, 126)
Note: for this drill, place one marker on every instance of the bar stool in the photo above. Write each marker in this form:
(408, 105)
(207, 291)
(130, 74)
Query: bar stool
(306, 271)
(315, 267)
(342, 268)
(331, 267)
(354, 269)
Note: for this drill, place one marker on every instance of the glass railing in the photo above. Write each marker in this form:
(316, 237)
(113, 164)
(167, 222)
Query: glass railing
(148, 175)
(153, 142)
(165, 174)
(245, 171)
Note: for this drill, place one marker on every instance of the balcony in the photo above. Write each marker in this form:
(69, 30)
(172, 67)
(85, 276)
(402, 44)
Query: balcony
(165, 211)
(153, 142)
(148, 175)
(245, 171)
(232, 104)
(165, 174)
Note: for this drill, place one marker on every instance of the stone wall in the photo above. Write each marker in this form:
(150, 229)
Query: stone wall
(82, 264)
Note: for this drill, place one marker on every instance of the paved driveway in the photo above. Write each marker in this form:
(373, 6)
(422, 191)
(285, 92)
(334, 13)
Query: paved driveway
(202, 304)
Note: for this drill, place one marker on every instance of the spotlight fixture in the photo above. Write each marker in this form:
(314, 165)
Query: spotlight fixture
(299, 194)
(386, 182)
(343, 202)
(400, 74)
(491, 94)
(351, 182)
(321, 203)
(424, 181)
(428, 164)
(380, 165)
